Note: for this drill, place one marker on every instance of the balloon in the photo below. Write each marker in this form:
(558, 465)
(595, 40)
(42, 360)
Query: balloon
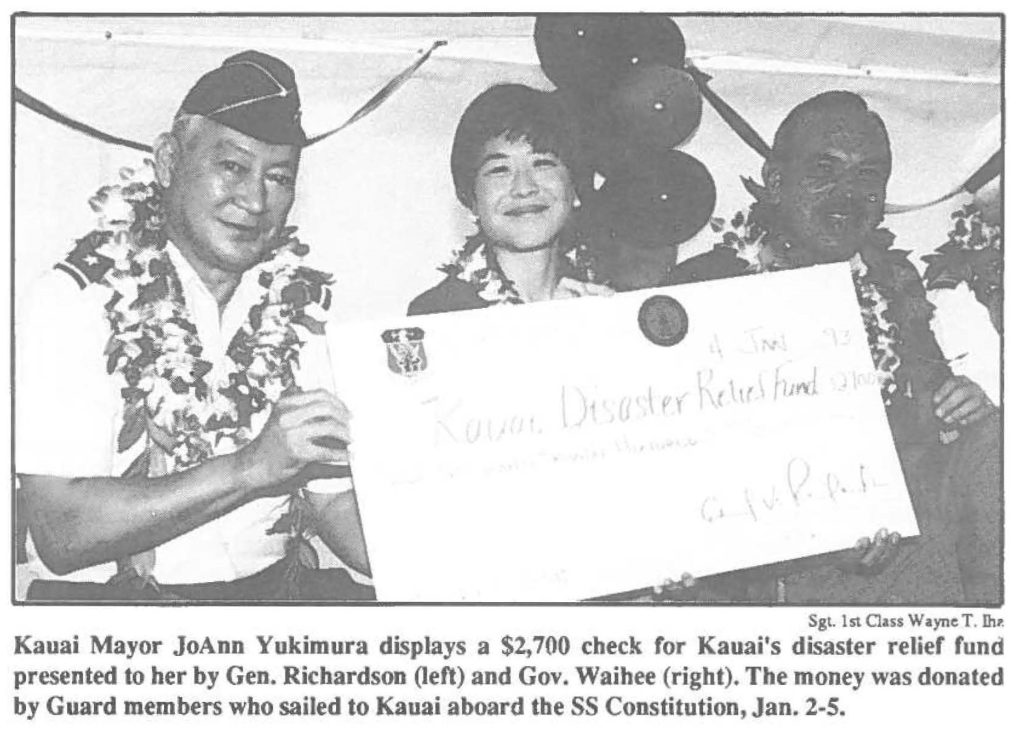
(656, 107)
(638, 41)
(572, 48)
(623, 78)
(663, 201)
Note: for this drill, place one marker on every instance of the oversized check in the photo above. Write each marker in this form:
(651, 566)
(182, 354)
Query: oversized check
(567, 450)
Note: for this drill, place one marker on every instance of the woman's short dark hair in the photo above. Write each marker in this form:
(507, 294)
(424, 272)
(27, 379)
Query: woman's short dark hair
(515, 112)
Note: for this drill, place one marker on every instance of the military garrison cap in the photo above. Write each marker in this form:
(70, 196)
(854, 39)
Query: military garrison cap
(253, 93)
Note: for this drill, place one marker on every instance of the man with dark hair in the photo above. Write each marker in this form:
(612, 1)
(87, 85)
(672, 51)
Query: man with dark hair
(190, 448)
(822, 201)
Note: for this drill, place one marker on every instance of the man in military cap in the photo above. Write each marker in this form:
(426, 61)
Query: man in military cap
(235, 451)
(823, 201)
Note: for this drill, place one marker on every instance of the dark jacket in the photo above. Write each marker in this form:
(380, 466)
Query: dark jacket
(450, 295)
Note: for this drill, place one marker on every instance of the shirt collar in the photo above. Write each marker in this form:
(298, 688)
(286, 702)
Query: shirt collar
(202, 305)
(191, 280)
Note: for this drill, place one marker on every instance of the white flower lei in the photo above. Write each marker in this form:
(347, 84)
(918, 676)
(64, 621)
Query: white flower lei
(156, 348)
(473, 264)
(749, 242)
(883, 333)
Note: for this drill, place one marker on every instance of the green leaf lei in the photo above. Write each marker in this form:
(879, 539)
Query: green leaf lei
(168, 401)
(972, 254)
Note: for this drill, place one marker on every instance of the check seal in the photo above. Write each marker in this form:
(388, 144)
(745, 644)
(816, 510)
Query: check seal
(663, 320)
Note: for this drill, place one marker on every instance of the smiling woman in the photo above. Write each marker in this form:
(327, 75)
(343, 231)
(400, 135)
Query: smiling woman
(522, 197)
(513, 161)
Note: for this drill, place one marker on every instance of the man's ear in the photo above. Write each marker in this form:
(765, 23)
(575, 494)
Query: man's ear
(166, 155)
(772, 176)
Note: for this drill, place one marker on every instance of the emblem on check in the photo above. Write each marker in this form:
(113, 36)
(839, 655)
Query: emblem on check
(663, 320)
(406, 354)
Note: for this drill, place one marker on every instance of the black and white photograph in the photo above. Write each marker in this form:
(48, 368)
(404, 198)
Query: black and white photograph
(628, 309)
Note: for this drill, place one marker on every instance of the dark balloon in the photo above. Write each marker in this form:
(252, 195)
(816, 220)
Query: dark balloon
(656, 107)
(572, 49)
(592, 54)
(663, 200)
(638, 41)
(623, 76)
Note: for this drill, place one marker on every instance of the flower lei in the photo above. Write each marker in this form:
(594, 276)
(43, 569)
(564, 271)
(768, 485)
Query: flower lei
(167, 399)
(759, 251)
(972, 253)
(476, 264)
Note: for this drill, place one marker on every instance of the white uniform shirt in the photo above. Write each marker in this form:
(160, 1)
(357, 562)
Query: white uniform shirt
(69, 412)
(967, 337)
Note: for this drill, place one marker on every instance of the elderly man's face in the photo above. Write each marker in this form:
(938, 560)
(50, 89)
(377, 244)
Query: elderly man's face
(229, 196)
(831, 192)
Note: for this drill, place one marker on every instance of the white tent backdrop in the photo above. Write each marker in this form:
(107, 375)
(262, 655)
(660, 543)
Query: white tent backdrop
(376, 201)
